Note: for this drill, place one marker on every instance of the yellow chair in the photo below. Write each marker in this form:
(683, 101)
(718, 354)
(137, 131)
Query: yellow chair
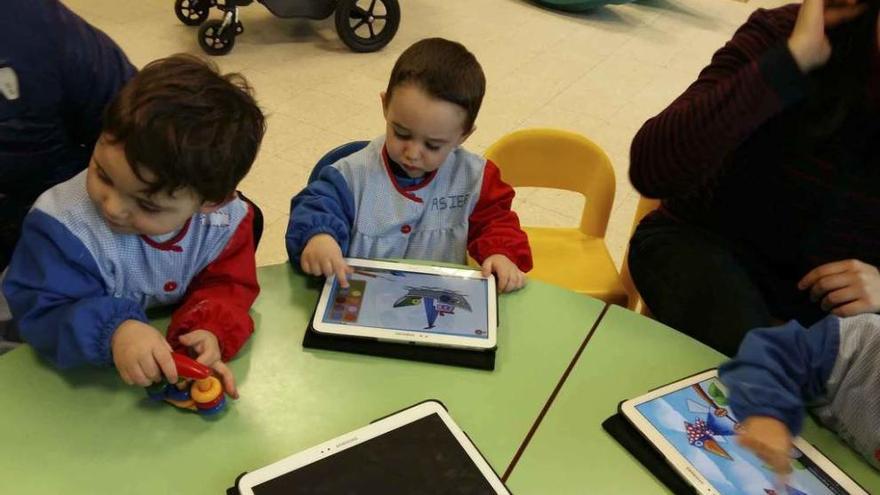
(645, 206)
(575, 258)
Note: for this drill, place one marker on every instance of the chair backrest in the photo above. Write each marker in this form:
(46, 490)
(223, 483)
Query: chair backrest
(335, 155)
(645, 206)
(559, 159)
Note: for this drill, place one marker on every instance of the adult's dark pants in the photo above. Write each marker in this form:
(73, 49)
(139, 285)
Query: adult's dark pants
(710, 287)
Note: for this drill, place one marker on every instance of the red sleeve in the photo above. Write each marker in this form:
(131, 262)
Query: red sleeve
(219, 298)
(751, 79)
(493, 226)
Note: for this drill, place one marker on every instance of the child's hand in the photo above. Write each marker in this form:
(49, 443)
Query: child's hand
(846, 288)
(207, 348)
(141, 354)
(770, 440)
(323, 256)
(510, 278)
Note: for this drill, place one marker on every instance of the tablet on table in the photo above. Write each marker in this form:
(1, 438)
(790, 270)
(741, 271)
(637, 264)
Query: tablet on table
(690, 424)
(406, 303)
(417, 450)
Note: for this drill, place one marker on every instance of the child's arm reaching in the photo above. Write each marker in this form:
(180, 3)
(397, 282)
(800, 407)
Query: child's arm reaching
(325, 206)
(494, 231)
(769, 439)
(323, 256)
(217, 302)
(776, 372)
(58, 298)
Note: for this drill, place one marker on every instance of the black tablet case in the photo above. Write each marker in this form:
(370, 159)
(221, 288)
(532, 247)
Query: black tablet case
(632, 440)
(484, 360)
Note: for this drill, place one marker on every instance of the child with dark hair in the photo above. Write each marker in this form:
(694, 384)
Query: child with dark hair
(414, 192)
(154, 220)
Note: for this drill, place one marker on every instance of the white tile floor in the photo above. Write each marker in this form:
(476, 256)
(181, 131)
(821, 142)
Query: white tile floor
(601, 74)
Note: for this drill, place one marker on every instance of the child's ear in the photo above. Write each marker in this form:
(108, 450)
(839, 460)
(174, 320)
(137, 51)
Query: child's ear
(384, 104)
(466, 135)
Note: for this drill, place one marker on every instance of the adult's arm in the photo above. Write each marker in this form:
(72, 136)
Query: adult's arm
(93, 69)
(751, 79)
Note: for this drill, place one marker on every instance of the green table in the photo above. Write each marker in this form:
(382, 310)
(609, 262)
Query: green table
(627, 355)
(86, 432)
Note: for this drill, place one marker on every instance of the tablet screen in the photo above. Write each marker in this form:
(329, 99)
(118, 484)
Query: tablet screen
(409, 301)
(420, 457)
(698, 423)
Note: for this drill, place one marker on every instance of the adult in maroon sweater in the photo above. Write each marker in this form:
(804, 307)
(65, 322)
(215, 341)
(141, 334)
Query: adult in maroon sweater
(768, 167)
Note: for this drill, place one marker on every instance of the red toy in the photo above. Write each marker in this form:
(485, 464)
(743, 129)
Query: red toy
(205, 394)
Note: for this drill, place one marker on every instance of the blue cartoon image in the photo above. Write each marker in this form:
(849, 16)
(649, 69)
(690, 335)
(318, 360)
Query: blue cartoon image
(419, 302)
(715, 425)
(437, 302)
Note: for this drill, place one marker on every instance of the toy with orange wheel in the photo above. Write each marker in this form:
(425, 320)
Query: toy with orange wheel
(203, 395)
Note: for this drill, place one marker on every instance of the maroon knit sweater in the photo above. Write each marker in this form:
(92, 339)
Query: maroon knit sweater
(728, 155)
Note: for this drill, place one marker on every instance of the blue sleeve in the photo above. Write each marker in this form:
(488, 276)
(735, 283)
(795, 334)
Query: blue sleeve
(58, 298)
(778, 370)
(325, 206)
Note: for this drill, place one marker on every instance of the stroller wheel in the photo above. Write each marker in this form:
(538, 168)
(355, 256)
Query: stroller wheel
(192, 12)
(214, 41)
(367, 25)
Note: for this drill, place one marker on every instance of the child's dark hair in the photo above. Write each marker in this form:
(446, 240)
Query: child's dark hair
(188, 126)
(444, 69)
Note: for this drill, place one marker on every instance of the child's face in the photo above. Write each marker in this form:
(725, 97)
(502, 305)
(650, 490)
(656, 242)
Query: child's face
(421, 130)
(123, 202)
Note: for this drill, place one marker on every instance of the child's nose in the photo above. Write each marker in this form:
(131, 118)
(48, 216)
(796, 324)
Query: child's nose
(114, 207)
(411, 152)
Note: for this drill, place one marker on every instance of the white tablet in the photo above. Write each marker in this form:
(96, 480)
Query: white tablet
(417, 450)
(690, 424)
(401, 302)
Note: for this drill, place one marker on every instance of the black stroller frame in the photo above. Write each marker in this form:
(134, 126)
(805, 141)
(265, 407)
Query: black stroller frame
(361, 24)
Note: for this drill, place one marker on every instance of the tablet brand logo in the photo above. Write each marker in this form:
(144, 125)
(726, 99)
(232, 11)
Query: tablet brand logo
(346, 442)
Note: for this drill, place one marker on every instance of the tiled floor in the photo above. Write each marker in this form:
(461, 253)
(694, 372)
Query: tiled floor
(601, 74)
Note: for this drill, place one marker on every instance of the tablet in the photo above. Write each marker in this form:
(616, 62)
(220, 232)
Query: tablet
(417, 450)
(690, 423)
(406, 303)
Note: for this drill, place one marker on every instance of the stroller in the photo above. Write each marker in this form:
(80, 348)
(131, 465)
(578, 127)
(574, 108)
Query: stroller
(363, 25)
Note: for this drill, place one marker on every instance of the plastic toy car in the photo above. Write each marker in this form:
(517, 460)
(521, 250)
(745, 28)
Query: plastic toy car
(204, 395)
(363, 25)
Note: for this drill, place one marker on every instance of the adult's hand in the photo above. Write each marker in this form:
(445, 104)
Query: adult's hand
(845, 288)
(808, 43)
